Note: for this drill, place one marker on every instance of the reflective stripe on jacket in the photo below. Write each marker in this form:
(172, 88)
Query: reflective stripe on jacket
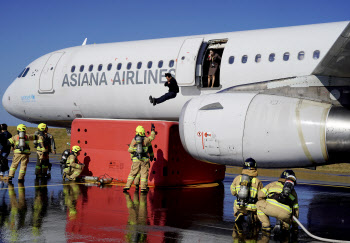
(145, 147)
(277, 187)
(14, 141)
(255, 187)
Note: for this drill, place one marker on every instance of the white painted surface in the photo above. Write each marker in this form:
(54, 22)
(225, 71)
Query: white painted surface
(186, 61)
(47, 74)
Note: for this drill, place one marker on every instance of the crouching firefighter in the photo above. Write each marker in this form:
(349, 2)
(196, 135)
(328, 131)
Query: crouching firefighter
(72, 167)
(279, 199)
(246, 187)
(140, 157)
(43, 145)
(21, 153)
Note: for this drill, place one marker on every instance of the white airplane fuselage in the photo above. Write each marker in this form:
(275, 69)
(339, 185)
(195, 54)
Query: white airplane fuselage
(54, 93)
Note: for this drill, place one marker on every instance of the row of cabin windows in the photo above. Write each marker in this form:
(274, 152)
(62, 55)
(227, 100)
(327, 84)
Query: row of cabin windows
(119, 66)
(272, 56)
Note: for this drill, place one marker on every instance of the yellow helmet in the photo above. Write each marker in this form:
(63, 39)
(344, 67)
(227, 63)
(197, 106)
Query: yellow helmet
(21, 128)
(140, 131)
(42, 127)
(76, 149)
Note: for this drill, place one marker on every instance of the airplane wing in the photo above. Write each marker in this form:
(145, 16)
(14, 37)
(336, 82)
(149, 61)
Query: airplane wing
(337, 61)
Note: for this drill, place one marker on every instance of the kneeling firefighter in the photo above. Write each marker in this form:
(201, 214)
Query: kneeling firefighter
(43, 145)
(140, 157)
(21, 152)
(72, 167)
(246, 187)
(279, 199)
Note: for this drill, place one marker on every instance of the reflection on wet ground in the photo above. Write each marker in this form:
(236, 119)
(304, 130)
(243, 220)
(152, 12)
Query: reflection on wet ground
(49, 211)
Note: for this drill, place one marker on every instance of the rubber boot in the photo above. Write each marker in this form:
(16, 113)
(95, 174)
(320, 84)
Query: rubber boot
(278, 228)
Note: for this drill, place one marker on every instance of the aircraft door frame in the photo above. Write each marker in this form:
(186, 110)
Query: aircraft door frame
(47, 74)
(187, 61)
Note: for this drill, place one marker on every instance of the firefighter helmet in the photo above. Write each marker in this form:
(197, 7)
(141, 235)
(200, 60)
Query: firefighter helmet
(76, 149)
(42, 127)
(21, 128)
(249, 164)
(140, 131)
(288, 174)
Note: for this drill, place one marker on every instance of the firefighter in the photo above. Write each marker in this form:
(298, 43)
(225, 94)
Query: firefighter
(20, 143)
(138, 176)
(140, 157)
(73, 168)
(44, 145)
(245, 187)
(279, 199)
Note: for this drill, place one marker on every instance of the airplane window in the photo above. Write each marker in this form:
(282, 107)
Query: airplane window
(119, 66)
(258, 58)
(244, 59)
(99, 67)
(21, 73)
(316, 54)
(171, 63)
(183, 58)
(139, 65)
(72, 69)
(109, 67)
(128, 66)
(272, 57)
(81, 68)
(149, 64)
(301, 55)
(160, 64)
(231, 59)
(25, 72)
(91, 67)
(286, 56)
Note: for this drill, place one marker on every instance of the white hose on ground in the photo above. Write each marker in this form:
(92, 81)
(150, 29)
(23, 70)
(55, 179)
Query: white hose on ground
(314, 236)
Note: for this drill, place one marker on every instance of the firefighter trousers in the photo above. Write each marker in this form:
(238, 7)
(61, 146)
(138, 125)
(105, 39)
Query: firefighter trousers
(19, 158)
(245, 211)
(42, 163)
(72, 173)
(266, 209)
(142, 167)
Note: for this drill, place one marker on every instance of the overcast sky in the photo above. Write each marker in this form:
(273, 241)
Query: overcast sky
(30, 29)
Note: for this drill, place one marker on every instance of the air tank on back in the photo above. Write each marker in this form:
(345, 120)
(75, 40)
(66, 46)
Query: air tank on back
(276, 131)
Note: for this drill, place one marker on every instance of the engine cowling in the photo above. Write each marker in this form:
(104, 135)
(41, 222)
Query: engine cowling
(276, 131)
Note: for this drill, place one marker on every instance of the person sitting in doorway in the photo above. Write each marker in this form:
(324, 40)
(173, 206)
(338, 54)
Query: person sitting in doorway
(214, 60)
(173, 90)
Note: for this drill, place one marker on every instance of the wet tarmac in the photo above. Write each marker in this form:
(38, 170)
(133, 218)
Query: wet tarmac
(52, 211)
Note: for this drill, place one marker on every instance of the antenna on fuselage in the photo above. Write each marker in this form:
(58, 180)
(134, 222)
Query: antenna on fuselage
(84, 43)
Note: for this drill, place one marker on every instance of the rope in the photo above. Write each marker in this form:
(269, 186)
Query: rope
(314, 236)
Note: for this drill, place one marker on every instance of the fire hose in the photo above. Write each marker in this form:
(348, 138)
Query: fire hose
(314, 236)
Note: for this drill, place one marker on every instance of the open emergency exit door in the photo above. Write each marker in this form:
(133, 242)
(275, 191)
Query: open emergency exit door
(186, 62)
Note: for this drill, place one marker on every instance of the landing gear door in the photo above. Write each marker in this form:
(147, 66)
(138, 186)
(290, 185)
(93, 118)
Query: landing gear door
(47, 74)
(186, 62)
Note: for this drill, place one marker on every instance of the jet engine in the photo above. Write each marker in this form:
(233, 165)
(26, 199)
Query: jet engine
(277, 131)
